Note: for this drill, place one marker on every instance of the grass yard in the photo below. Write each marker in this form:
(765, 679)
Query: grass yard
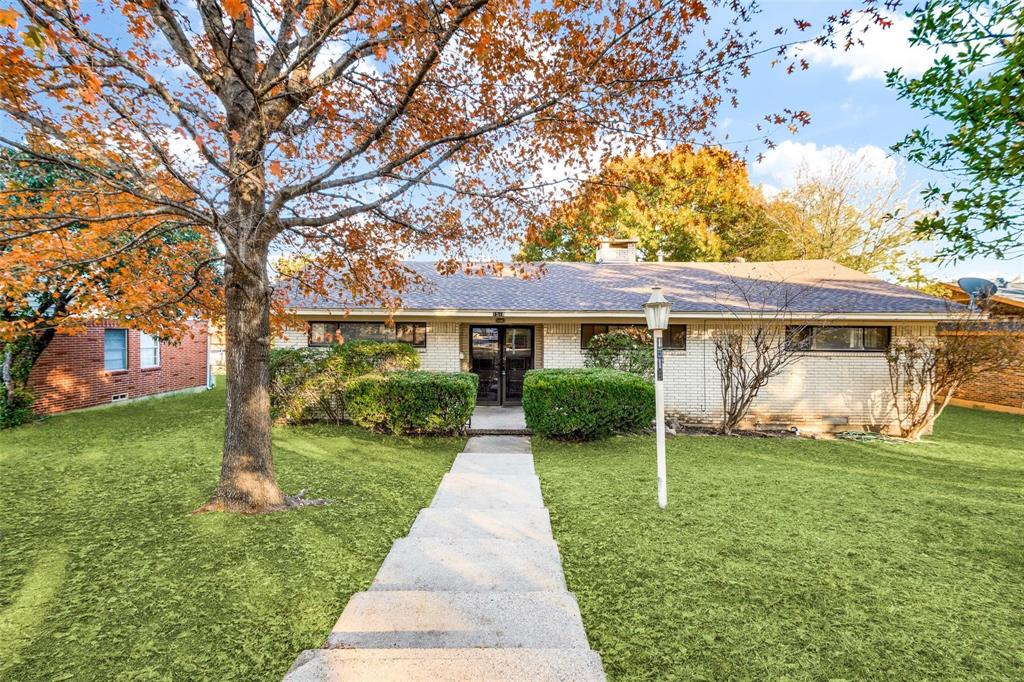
(104, 574)
(799, 559)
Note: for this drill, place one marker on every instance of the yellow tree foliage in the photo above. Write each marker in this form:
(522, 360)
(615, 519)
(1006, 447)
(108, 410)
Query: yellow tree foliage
(679, 203)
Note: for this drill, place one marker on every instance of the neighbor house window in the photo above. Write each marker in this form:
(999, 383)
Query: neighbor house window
(326, 333)
(674, 337)
(839, 339)
(149, 350)
(115, 349)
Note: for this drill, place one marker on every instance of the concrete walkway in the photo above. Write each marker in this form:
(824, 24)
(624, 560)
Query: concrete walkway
(474, 592)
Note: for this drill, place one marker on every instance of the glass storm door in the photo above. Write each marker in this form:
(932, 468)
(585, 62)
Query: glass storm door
(485, 362)
(517, 353)
(500, 356)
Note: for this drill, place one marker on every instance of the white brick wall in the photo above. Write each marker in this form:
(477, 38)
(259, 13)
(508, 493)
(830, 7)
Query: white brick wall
(562, 345)
(293, 338)
(841, 390)
(442, 351)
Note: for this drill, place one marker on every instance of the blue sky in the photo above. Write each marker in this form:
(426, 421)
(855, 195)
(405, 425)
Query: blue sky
(850, 108)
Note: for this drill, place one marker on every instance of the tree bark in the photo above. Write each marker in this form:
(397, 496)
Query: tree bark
(23, 354)
(247, 481)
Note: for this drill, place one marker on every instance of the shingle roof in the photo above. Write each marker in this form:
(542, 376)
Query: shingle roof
(808, 286)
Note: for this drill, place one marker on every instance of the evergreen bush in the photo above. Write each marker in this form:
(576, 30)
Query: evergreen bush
(412, 401)
(584, 404)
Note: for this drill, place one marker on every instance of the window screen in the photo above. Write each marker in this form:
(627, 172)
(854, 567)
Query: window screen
(674, 337)
(149, 350)
(115, 349)
(326, 333)
(839, 339)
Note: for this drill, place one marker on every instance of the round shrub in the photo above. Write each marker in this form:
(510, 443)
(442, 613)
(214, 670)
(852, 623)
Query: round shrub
(308, 384)
(584, 404)
(412, 402)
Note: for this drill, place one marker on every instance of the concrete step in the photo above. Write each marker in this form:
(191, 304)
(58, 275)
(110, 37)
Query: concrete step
(503, 444)
(471, 565)
(528, 523)
(484, 491)
(433, 665)
(490, 431)
(493, 463)
(429, 620)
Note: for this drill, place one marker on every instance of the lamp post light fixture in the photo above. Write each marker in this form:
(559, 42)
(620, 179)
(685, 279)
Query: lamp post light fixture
(656, 310)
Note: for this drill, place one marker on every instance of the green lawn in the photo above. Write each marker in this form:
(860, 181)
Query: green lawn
(799, 559)
(104, 574)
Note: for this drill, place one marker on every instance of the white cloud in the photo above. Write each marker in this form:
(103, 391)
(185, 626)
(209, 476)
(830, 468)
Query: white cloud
(184, 150)
(788, 163)
(883, 49)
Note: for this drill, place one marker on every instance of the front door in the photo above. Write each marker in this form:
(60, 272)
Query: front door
(500, 356)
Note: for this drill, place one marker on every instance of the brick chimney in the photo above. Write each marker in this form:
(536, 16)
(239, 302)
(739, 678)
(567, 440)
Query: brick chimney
(610, 250)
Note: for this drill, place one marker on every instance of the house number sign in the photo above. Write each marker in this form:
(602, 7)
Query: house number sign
(659, 356)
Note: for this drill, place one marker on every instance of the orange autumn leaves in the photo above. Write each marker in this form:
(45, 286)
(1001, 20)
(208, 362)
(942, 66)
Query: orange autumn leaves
(73, 251)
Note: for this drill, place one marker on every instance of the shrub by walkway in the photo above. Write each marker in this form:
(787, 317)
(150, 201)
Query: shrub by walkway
(105, 575)
(798, 559)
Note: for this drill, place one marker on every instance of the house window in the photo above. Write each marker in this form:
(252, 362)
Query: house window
(149, 350)
(326, 333)
(674, 337)
(115, 349)
(839, 339)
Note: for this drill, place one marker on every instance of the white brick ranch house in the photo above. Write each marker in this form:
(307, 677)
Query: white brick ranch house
(501, 326)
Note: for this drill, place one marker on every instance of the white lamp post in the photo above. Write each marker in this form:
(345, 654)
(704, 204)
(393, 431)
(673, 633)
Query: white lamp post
(656, 310)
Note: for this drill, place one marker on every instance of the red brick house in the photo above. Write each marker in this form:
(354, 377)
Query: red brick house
(1000, 391)
(110, 363)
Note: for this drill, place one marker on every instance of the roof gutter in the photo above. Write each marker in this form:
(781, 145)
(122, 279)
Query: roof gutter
(623, 314)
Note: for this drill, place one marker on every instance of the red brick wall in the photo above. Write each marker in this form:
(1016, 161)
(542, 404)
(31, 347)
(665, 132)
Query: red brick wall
(69, 375)
(1004, 388)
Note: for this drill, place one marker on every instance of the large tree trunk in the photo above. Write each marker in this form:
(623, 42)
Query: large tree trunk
(18, 359)
(247, 482)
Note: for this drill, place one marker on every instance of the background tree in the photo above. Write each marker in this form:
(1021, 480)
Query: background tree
(678, 202)
(925, 373)
(698, 205)
(64, 281)
(348, 130)
(850, 212)
(975, 89)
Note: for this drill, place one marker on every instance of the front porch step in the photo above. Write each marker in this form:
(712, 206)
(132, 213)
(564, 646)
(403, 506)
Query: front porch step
(507, 444)
(471, 565)
(485, 431)
(431, 665)
(498, 524)
(428, 620)
(484, 491)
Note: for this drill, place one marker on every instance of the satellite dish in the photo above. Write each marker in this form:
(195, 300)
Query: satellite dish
(977, 288)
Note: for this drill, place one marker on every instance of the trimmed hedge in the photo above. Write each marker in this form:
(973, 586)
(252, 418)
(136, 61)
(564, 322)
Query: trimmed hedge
(584, 404)
(412, 402)
(308, 384)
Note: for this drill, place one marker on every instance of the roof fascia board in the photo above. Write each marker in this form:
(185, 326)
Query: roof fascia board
(1008, 300)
